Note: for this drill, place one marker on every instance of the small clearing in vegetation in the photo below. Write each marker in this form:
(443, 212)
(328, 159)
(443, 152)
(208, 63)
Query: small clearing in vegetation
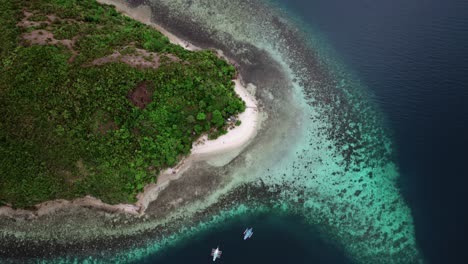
(141, 95)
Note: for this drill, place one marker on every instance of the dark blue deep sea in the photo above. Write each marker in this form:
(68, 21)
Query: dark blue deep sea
(413, 56)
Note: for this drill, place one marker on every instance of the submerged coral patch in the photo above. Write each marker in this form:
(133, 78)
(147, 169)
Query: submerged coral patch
(340, 173)
(322, 152)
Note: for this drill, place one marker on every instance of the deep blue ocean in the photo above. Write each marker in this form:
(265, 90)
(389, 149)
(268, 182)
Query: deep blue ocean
(413, 56)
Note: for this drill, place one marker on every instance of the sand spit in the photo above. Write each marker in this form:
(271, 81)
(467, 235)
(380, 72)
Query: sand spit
(322, 154)
(50, 207)
(227, 146)
(238, 136)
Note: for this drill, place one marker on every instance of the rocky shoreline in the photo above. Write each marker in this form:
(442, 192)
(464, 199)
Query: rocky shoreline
(321, 153)
(86, 225)
(230, 144)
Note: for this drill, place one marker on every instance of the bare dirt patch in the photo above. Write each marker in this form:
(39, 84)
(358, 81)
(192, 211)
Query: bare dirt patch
(45, 37)
(141, 95)
(42, 37)
(25, 23)
(81, 168)
(105, 127)
(140, 59)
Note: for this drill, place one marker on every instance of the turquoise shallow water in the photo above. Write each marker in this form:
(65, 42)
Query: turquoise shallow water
(361, 89)
(339, 167)
(323, 153)
(413, 56)
(277, 239)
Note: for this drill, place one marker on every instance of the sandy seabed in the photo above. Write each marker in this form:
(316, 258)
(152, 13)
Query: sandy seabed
(321, 153)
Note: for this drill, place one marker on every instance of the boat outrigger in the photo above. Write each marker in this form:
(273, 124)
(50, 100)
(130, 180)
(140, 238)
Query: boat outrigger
(248, 233)
(216, 253)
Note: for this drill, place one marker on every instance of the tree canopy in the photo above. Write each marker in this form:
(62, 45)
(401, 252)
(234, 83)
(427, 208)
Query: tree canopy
(71, 128)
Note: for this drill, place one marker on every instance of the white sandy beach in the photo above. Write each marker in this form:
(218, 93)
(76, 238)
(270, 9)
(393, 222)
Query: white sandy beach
(220, 151)
(237, 136)
(143, 14)
(228, 145)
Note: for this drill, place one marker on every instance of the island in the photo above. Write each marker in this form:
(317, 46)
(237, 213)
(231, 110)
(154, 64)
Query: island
(119, 140)
(97, 104)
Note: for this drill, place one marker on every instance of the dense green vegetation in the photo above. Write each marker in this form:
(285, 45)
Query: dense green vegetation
(68, 129)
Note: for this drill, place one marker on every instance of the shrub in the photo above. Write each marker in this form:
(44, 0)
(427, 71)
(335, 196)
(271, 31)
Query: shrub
(201, 116)
(217, 118)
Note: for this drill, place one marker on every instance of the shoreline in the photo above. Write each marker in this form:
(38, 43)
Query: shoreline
(212, 151)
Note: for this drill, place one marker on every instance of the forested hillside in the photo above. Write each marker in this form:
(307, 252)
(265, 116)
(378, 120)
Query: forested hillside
(93, 102)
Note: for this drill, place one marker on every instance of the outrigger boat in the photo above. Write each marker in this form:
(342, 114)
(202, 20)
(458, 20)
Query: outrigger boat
(216, 253)
(248, 233)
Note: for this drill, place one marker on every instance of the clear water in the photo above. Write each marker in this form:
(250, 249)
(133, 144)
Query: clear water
(276, 239)
(413, 55)
(402, 69)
